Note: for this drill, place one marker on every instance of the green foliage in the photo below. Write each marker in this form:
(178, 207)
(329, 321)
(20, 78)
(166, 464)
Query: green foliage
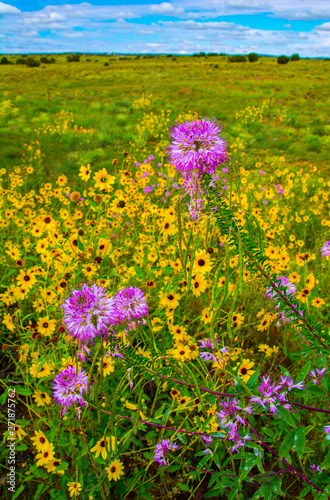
(295, 57)
(73, 58)
(31, 62)
(253, 57)
(283, 60)
(237, 58)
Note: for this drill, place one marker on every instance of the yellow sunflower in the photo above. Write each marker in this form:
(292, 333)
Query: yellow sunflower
(74, 489)
(40, 441)
(202, 263)
(26, 279)
(244, 369)
(199, 284)
(103, 180)
(115, 470)
(41, 398)
(102, 445)
(85, 172)
(46, 455)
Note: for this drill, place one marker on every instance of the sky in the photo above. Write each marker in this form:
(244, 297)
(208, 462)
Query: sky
(272, 27)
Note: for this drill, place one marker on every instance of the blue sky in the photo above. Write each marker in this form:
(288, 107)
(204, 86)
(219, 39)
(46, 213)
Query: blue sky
(271, 27)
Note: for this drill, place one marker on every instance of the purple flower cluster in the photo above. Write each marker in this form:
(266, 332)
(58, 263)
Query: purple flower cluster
(317, 375)
(282, 281)
(326, 249)
(196, 148)
(291, 290)
(229, 417)
(88, 312)
(271, 394)
(131, 303)
(68, 387)
(162, 449)
(207, 356)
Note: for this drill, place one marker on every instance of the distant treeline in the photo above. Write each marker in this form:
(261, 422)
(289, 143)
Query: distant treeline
(33, 61)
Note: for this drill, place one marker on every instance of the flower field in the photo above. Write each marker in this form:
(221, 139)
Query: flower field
(164, 279)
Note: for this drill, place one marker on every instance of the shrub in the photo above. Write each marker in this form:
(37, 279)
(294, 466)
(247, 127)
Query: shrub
(236, 58)
(295, 57)
(46, 60)
(283, 60)
(253, 57)
(32, 63)
(21, 60)
(73, 58)
(4, 60)
(106, 64)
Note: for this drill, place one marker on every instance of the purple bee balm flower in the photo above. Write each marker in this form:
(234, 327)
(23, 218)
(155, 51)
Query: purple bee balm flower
(68, 387)
(197, 146)
(131, 303)
(147, 189)
(326, 249)
(88, 312)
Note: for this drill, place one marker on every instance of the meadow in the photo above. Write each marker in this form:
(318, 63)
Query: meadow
(206, 373)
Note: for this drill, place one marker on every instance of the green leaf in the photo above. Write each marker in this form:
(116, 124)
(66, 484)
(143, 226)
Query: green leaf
(299, 440)
(40, 489)
(326, 462)
(286, 445)
(62, 466)
(246, 466)
(18, 492)
(253, 379)
(286, 416)
(303, 372)
(80, 245)
(24, 391)
(92, 202)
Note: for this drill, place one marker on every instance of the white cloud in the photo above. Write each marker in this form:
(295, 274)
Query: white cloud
(246, 5)
(8, 9)
(288, 26)
(166, 9)
(323, 27)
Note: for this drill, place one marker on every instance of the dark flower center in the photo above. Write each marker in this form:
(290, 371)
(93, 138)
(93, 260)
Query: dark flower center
(243, 371)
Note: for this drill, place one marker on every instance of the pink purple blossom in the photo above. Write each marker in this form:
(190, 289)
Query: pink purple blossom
(89, 312)
(326, 249)
(69, 386)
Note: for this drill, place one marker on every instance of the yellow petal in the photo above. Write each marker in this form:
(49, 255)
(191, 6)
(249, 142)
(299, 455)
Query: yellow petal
(130, 406)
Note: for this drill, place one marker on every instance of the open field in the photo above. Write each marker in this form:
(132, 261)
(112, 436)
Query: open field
(89, 195)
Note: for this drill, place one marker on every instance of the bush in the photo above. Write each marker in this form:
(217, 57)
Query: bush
(32, 63)
(21, 60)
(4, 60)
(253, 57)
(283, 60)
(236, 58)
(73, 58)
(46, 60)
(106, 64)
(295, 57)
